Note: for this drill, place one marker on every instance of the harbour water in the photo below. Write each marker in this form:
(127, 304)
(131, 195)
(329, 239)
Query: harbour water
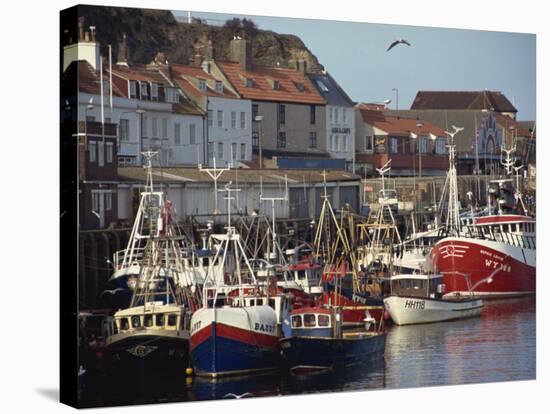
(498, 346)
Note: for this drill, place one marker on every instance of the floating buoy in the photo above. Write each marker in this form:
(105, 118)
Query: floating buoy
(188, 371)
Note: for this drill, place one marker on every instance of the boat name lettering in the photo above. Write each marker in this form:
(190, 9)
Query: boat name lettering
(493, 264)
(359, 299)
(264, 328)
(196, 326)
(415, 304)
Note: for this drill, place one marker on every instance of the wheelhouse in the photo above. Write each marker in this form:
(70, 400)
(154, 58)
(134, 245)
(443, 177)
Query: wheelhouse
(316, 322)
(415, 285)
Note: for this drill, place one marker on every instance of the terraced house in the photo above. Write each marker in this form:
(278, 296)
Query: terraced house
(287, 112)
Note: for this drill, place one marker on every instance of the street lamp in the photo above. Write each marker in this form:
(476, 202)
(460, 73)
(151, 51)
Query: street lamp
(396, 98)
(419, 125)
(259, 119)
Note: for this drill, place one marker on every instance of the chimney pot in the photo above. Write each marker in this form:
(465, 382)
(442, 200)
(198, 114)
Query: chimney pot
(81, 28)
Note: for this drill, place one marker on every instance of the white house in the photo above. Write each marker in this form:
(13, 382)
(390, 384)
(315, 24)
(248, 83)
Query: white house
(340, 118)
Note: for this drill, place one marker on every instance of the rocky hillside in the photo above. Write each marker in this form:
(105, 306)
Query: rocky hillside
(150, 31)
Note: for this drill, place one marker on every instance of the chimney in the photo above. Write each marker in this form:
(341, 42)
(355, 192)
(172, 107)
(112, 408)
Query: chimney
(80, 29)
(301, 66)
(241, 51)
(122, 53)
(92, 33)
(197, 58)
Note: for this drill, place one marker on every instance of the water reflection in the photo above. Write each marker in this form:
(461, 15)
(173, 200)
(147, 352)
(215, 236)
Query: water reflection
(498, 346)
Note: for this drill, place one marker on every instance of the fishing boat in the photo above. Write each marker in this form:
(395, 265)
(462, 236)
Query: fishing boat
(318, 342)
(152, 333)
(493, 254)
(418, 298)
(236, 330)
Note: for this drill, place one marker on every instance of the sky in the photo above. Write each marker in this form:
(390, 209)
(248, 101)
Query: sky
(438, 59)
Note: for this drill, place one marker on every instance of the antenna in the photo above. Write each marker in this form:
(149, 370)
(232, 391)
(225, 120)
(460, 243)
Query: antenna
(214, 173)
(273, 200)
(228, 197)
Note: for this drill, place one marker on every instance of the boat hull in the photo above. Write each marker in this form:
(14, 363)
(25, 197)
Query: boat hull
(511, 270)
(148, 354)
(408, 310)
(305, 354)
(234, 341)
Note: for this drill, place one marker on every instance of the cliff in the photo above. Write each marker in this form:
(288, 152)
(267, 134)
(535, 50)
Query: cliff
(150, 31)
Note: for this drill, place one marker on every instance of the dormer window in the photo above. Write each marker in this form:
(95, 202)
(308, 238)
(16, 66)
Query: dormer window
(144, 90)
(276, 85)
(300, 86)
(202, 85)
(249, 83)
(321, 85)
(219, 87)
(133, 89)
(171, 95)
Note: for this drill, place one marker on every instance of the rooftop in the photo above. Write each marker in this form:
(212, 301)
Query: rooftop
(490, 100)
(259, 84)
(396, 125)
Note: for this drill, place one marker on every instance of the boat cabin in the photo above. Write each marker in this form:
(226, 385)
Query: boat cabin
(307, 275)
(314, 321)
(152, 317)
(418, 285)
(515, 230)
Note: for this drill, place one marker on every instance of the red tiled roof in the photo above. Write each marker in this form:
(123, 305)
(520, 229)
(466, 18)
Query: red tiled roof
(394, 125)
(262, 88)
(88, 79)
(462, 100)
(139, 75)
(181, 74)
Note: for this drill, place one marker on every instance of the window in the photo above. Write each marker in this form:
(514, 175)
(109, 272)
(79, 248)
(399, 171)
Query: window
(233, 119)
(144, 90)
(109, 152)
(312, 114)
(124, 324)
(243, 120)
(331, 142)
(220, 119)
(423, 145)
(219, 87)
(136, 322)
(324, 320)
(155, 91)
(95, 201)
(90, 118)
(220, 150)
(393, 145)
(124, 130)
(297, 321)
(243, 152)
(210, 117)
(133, 89)
(336, 142)
(100, 154)
(300, 86)
(369, 143)
(159, 320)
(344, 115)
(108, 200)
(164, 128)
(440, 146)
(336, 115)
(255, 140)
(192, 137)
(281, 114)
(343, 143)
(202, 85)
(281, 140)
(177, 133)
(148, 321)
(233, 151)
(254, 111)
(92, 150)
(249, 83)
(313, 140)
(321, 85)
(155, 132)
(171, 95)
(172, 319)
(210, 150)
(309, 320)
(276, 85)
(330, 114)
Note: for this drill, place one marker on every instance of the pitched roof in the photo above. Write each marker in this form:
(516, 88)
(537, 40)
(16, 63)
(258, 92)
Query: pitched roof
(330, 89)
(138, 74)
(263, 77)
(182, 75)
(88, 78)
(394, 125)
(506, 122)
(463, 100)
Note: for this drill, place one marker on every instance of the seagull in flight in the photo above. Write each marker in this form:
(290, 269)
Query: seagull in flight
(112, 292)
(231, 395)
(396, 43)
